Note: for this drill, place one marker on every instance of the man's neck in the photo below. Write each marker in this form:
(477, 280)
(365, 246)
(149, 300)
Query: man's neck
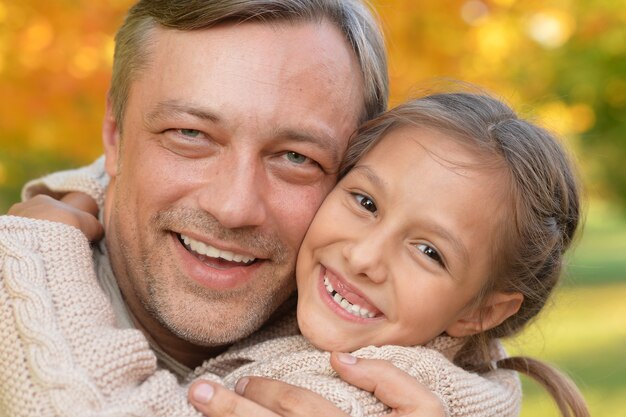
(192, 355)
(185, 352)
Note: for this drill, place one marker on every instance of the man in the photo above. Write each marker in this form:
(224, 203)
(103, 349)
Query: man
(219, 151)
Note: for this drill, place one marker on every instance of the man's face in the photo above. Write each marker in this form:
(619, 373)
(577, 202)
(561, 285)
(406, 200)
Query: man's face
(232, 137)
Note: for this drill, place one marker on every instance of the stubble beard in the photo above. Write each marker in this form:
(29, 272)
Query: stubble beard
(204, 316)
(212, 318)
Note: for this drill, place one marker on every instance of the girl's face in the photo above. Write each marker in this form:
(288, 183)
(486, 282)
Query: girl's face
(400, 248)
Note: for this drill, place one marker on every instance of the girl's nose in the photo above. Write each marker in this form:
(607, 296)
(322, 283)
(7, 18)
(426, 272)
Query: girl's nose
(365, 257)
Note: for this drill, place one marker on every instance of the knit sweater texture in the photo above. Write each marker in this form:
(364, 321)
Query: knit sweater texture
(65, 350)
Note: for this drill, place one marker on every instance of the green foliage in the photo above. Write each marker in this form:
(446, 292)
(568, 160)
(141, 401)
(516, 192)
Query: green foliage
(583, 334)
(598, 257)
(24, 167)
(591, 68)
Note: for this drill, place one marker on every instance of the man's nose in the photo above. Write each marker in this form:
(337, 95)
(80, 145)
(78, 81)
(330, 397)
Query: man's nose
(365, 257)
(236, 194)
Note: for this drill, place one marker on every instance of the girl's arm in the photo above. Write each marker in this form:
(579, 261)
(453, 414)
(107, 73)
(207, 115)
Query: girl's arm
(422, 383)
(495, 393)
(264, 397)
(73, 209)
(61, 351)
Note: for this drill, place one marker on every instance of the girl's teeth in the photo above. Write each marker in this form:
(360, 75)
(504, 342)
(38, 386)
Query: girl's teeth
(345, 304)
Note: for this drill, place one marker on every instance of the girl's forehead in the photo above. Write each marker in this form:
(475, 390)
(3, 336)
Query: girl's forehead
(442, 146)
(420, 154)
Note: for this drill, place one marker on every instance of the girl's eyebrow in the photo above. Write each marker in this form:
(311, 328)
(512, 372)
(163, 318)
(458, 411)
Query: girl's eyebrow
(371, 176)
(460, 251)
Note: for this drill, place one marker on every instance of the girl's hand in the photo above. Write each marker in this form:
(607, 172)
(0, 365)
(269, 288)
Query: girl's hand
(74, 209)
(264, 397)
(259, 397)
(393, 387)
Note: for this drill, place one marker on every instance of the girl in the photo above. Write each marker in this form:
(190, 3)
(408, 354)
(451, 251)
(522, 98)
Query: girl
(445, 233)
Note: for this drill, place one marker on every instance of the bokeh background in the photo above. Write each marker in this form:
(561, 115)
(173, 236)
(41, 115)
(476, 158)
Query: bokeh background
(561, 62)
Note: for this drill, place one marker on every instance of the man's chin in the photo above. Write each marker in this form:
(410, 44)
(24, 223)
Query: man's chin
(214, 330)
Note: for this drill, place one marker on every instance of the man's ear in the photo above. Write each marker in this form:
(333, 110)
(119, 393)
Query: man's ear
(110, 140)
(497, 307)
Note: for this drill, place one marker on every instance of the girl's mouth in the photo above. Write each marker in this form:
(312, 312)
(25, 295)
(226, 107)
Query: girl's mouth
(350, 302)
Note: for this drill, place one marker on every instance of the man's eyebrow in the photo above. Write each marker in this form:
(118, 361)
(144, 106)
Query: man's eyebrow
(166, 109)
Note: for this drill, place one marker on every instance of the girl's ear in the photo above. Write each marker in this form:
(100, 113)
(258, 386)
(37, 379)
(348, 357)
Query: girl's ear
(110, 140)
(497, 307)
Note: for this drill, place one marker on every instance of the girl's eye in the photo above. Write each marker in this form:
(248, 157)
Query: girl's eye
(430, 252)
(296, 158)
(366, 202)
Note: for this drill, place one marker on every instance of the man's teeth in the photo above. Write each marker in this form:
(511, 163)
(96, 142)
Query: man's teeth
(207, 250)
(345, 304)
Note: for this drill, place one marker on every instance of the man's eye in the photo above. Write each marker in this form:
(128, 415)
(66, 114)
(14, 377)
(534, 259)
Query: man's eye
(296, 158)
(430, 252)
(366, 202)
(190, 133)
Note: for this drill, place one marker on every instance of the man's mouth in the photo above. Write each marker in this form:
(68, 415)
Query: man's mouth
(352, 308)
(214, 256)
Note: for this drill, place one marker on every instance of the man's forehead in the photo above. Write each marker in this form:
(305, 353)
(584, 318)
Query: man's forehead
(222, 76)
(318, 43)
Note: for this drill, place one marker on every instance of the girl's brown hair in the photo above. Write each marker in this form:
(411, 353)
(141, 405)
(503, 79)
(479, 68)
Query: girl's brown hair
(544, 213)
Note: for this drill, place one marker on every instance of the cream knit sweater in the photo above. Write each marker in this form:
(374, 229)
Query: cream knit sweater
(64, 350)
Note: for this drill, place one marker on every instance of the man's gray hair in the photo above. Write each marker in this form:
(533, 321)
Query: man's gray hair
(354, 18)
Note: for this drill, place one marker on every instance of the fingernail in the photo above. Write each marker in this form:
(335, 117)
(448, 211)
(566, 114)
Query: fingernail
(240, 386)
(346, 358)
(202, 393)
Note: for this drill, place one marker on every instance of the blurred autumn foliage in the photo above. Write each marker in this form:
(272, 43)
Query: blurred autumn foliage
(562, 62)
(55, 60)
